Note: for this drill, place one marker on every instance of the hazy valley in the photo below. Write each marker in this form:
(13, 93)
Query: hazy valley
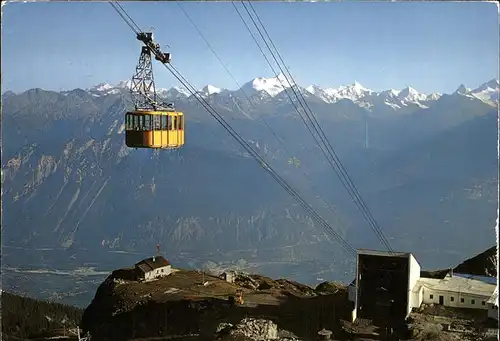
(76, 197)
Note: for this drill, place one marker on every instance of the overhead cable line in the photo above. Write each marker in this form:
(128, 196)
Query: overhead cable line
(260, 160)
(330, 153)
(278, 139)
(245, 145)
(344, 176)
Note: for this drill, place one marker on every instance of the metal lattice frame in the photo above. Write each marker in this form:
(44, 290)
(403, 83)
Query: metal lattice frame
(143, 85)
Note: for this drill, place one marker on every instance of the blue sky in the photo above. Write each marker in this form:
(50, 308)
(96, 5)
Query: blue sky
(433, 47)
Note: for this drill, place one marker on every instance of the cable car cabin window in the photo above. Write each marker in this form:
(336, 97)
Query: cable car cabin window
(169, 122)
(156, 122)
(147, 122)
(174, 125)
(164, 122)
(140, 123)
(130, 122)
(181, 122)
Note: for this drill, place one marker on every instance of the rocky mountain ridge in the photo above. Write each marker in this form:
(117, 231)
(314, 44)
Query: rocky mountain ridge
(265, 89)
(121, 306)
(75, 196)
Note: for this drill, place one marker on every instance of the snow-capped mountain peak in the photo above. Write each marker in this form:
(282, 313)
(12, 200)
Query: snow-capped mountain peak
(268, 88)
(313, 89)
(126, 84)
(209, 90)
(433, 96)
(272, 86)
(173, 93)
(488, 91)
(391, 93)
(411, 95)
(462, 90)
(101, 87)
(353, 92)
(358, 87)
(181, 91)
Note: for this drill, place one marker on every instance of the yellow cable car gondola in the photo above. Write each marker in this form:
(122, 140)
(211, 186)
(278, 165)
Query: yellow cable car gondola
(151, 125)
(154, 129)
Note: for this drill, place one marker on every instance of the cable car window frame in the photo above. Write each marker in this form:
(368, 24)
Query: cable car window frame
(169, 122)
(147, 123)
(156, 122)
(174, 122)
(140, 124)
(163, 124)
(181, 122)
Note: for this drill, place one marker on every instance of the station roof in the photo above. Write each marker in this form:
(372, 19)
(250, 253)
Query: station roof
(458, 284)
(383, 253)
(486, 279)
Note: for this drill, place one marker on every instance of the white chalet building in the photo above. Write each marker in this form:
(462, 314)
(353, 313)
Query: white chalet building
(152, 268)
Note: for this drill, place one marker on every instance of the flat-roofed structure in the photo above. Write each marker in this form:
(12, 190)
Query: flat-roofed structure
(384, 283)
(453, 291)
(388, 286)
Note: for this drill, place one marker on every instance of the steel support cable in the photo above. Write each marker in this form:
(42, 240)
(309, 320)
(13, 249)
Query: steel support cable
(259, 159)
(251, 151)
(345, 178)
(129, 22)
(285, 89)
(280, 140)
(270, 64)
(230, 73)
(227, 70)
(321, 131)
(342, 177)
(290, 190)
(287, 93)
(138, 29)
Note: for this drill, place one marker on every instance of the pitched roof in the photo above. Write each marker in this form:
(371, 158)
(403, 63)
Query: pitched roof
(152, 263)
(485, 279)
(458, 284)
(494, 298)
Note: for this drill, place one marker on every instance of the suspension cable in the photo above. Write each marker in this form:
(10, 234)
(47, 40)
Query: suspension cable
(278, 139)
(293, 193)
(332, 156)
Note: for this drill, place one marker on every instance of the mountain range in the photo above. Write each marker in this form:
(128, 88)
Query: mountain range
(268, 88)
(74, 196)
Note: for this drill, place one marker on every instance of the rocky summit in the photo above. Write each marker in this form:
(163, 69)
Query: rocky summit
(192, 303)
(198, 305)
